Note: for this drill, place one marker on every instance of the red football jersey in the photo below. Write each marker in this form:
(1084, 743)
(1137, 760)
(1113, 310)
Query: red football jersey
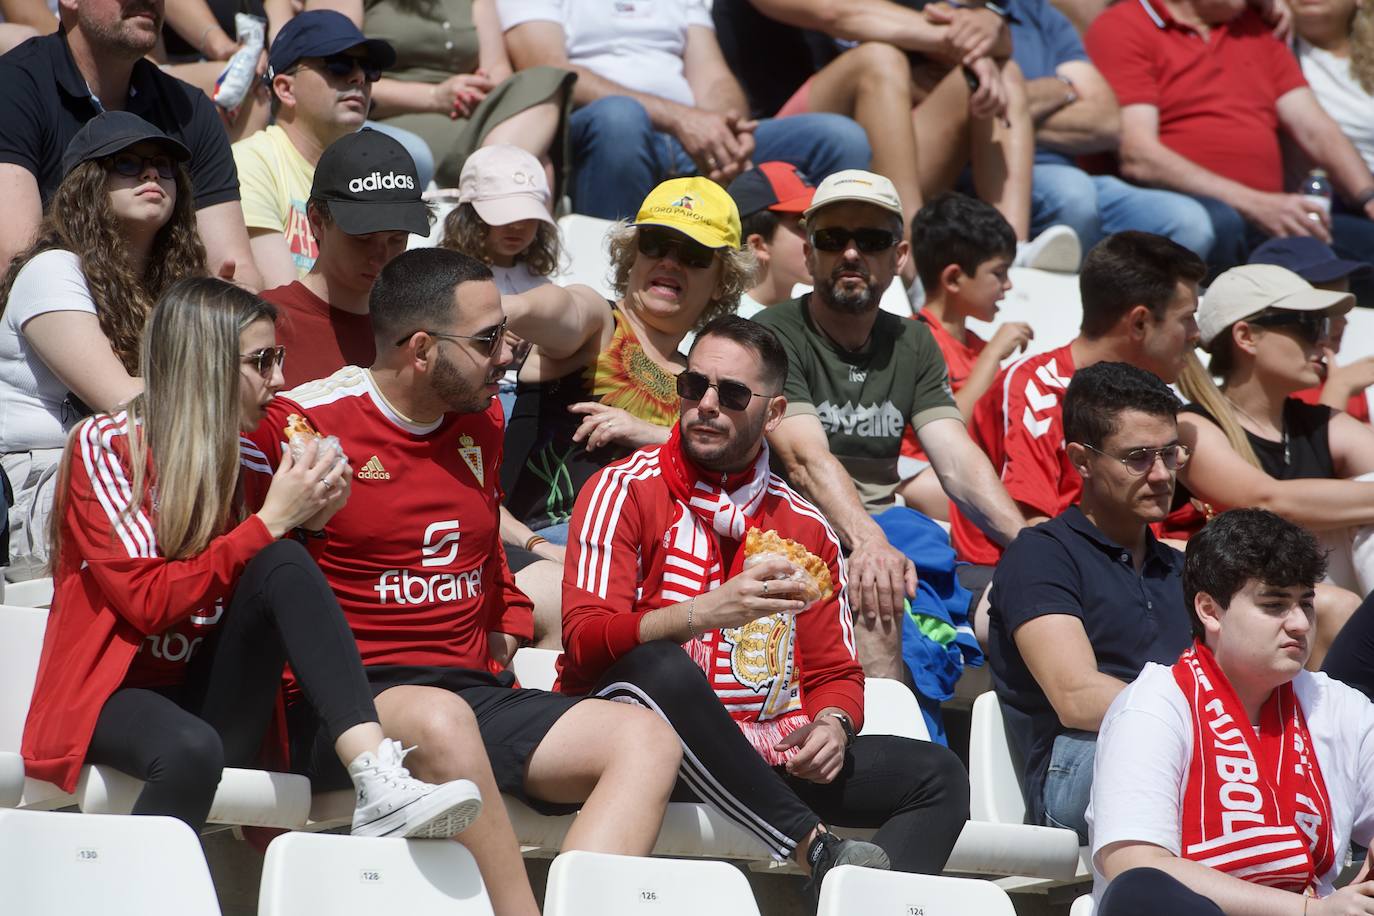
(1019, 423)
(960, 357)
(415, 558)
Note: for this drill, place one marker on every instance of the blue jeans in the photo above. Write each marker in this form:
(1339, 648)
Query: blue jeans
(1352, 237)
(618, 157)
(1069, 782)
(1095, 206)
(415, 145)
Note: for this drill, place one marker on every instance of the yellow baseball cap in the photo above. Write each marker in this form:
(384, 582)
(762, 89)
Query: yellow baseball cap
(697, 207)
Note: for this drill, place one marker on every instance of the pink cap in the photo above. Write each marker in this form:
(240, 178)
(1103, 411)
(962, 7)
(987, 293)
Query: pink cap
(505, 184)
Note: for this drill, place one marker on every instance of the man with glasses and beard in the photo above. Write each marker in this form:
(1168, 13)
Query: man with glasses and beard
(415, 558)
(665, 604)
(857, 376)
(1080, 603)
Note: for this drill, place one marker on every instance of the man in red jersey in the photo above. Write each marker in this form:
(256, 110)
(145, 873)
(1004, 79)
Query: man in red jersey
(416, 561)
(1139, 296)
(679, 593)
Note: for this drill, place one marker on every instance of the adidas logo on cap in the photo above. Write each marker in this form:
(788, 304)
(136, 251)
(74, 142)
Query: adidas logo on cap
(378, 182)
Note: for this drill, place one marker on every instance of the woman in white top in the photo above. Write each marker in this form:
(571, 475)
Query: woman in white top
(1234, 781)
(1335, 45)
(119, 230)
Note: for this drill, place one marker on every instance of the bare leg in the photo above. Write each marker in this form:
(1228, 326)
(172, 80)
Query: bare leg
(543, 583)
(1003, 155)
(879, 647)
(942, 121)
(449, 747)
(1080, 12)
(532, 129)
(1334, 607)
(924, 494)
(623, 760)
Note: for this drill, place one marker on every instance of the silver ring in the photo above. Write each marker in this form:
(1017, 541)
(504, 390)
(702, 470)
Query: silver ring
(765, 587)
(327, 484)
(711, 162)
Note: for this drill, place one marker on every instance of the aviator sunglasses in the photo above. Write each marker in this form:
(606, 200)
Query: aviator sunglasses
(691, 386)
(263, 360)
(1139, 460)
(488, 341)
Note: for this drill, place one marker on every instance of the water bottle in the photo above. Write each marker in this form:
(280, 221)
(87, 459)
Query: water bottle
(241, 72)
(1316, 190)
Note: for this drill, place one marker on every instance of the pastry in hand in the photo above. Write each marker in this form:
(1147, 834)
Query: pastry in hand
(807, 568)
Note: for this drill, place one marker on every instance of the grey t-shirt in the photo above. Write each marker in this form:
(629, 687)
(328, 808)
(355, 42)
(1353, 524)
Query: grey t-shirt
(863, 398)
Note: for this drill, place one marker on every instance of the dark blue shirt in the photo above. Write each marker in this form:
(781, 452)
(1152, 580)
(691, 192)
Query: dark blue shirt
(1042, 38)
(1067, 566)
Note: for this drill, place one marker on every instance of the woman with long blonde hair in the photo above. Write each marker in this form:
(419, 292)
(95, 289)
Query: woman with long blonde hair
(1334, 42)
(174, 611)
(120, 229)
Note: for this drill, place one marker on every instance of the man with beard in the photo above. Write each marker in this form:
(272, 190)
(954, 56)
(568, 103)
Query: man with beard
(857, 376)
(51, 86)
(1083, 601)
(416, 561)
(756, 674)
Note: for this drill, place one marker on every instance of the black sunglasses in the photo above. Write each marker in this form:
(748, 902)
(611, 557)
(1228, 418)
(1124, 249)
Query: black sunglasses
(341, 65)
(1139, 460)
(836, 238)
(1311, 326)
(263, 360)
(131, 165)
(691, 386)
(489, 340)
(690, 253)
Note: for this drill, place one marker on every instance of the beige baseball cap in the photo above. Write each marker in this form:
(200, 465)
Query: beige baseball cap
(505, 184)
(1245, 291)
(858, 186)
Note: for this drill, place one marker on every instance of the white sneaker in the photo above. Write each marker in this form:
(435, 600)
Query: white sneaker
(391, 802)
(1056, 249)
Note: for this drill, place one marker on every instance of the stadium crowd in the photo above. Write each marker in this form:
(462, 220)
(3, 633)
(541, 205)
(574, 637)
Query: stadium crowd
(303, 493)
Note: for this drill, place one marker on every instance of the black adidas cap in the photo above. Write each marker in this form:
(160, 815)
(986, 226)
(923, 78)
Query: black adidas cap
(111, 132)
(370, 182)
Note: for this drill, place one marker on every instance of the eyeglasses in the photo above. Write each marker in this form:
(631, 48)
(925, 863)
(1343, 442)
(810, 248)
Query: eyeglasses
(341, 65)
(836, 238)
(1139, 461)
(489, 340)
(131, 165)
(265, 359)
(691, 386)
(1311, 326)
(657, 244)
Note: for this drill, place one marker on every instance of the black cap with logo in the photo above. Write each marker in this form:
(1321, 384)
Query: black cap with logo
(370, 182)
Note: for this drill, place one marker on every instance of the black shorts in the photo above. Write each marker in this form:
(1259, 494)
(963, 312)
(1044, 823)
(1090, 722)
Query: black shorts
(517, 558)
(512, 721)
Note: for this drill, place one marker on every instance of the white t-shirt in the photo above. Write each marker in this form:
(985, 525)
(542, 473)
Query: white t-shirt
(636, 43)
(1340, 95)
(516, 279)
(1145, 747)
(30, 395)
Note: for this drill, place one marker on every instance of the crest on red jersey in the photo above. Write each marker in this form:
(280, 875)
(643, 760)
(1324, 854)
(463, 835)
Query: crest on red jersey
(472, 455)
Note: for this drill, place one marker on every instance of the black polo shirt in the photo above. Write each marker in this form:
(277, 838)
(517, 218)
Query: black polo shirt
(1067, 566)
(44, 100)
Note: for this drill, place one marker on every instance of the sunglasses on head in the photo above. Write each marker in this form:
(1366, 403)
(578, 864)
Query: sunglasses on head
(657, 243)
(836, 238)
(1139, 461)
(263, 360)
(131, 165)
(691, 386)
(1311, 326)
(489, 341)
(341, 65)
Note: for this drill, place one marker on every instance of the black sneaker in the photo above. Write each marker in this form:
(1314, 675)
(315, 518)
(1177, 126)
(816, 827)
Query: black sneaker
(827, 851)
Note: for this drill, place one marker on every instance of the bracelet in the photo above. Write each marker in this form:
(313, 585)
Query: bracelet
(691, 606)
(535, 540)
(200, 45)
(305, 535)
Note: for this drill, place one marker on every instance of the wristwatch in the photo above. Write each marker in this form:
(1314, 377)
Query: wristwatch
(846, 725)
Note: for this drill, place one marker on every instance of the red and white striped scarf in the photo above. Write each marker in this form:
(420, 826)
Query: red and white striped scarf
(751, 667)
(1255, 805)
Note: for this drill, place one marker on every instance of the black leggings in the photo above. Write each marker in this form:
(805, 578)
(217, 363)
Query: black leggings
(1149, 891)
(177, 740)
(914, 792)
(1351, 657)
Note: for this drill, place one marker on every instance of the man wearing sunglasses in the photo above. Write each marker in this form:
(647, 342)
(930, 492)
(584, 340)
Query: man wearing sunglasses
(1080, 603)
(657, 592)
(416, 561)
(856, 377)
(320, 70)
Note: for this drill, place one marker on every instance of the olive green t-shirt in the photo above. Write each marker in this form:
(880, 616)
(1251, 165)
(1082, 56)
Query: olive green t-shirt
(863, 398)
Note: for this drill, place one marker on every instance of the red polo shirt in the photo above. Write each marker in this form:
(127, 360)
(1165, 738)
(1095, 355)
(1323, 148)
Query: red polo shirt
(1217, 97)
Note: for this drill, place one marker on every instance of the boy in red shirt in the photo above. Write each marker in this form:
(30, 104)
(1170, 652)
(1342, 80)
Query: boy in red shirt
(963, 250)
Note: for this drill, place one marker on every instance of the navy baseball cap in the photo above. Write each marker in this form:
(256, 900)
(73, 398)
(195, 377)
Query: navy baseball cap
(320, 33)
(1309, 258)
(113, 131)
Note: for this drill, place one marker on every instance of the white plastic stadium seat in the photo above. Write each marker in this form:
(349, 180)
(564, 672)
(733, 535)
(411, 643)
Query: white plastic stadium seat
(58, 864)
(365, 876)
(848, 889)
(29, 593)
(250, 797)
(1083, 906)
(536, 669)
(890, 708)
(992, 770)
(585, 259)
(11, 779)
(583, 883)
